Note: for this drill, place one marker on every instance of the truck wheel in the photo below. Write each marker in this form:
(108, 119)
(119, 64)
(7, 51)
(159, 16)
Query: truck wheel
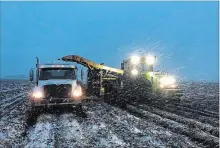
(32, 115)
(135, 90)
(79, 107)
(80, 112)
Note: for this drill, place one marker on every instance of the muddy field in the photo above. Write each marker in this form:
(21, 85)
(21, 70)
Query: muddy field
(194, 122)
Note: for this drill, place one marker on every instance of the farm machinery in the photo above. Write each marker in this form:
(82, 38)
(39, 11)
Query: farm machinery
(135, 81)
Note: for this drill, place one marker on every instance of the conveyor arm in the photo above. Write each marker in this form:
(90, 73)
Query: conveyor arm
(90, 64)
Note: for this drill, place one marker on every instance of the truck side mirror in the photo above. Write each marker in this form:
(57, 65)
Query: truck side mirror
(122, 66)
(31, 75)
(82, 74)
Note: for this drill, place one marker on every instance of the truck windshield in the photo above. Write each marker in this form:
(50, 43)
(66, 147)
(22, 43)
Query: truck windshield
(57, 73)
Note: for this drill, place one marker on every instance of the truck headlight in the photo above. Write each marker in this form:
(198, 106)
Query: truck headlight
(167, 81)
(135, 60)
(38, 94)
(77, 92)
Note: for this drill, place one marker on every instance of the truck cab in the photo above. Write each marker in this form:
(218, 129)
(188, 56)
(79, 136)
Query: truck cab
(56, 85)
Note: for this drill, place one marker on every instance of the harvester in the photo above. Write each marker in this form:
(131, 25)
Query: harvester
(162, 83)
(135, 81)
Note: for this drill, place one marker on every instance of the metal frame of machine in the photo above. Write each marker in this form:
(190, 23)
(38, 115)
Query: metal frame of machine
(101, 76)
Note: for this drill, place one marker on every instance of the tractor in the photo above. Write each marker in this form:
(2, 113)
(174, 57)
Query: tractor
(163, 85)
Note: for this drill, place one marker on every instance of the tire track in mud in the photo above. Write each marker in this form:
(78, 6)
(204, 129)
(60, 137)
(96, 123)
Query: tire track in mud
(12, 100)
(68, 131)
(194, 134)
(209, 129)
(75, 131)
(190, 109)
(6, 96)
(42, 133)
(9, 90)
(189, 106)
(17, 100)
(140, 133)
(13, 127)
(105, 126)
(211, 112)
(112, 126)
(7, 87)
(188, 114)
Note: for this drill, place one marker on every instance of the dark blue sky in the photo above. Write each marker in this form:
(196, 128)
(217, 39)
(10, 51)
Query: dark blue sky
(183, 34)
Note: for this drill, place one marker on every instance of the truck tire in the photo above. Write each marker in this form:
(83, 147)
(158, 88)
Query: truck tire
(79, 110)
(32, 114)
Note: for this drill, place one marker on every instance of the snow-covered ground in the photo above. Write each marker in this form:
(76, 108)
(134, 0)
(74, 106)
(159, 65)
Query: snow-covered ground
(171, 125)
(203, 96)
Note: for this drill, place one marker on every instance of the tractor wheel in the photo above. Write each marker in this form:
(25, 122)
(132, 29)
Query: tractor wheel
(110, 92)
(134, 90)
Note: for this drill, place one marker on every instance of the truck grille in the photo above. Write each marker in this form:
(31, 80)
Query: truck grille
(58, 91)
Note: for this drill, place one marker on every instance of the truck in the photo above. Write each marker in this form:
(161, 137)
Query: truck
(56, 85)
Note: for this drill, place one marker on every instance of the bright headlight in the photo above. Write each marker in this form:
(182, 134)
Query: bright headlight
(150, 60)
(134, 72)
(135, 60)
(38, 94)
(167, 81)
(77, 92)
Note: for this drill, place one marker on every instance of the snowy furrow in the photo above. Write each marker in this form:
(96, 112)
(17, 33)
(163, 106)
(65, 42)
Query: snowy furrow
(137, 132)
(41, 134)
(139, 125)
(7, 107)
(189, 109)
(10, 100)
(75, 132)
(9, 90)
(183, 125)
(188, 114)
(68, 131)
(189, 122)
(6, 97)
(13, 127)
(190, 106)
(194, 134)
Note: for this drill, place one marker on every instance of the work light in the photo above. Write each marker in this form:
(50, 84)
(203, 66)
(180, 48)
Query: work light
(134, 72)
(135, 59)
(150, 60)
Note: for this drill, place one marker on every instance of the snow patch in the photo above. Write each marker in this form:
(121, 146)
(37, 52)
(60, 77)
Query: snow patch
(136, 130)
(152, 141)
(41, 135)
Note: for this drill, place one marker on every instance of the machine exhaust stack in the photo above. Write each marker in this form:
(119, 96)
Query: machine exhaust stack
(37, 70)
